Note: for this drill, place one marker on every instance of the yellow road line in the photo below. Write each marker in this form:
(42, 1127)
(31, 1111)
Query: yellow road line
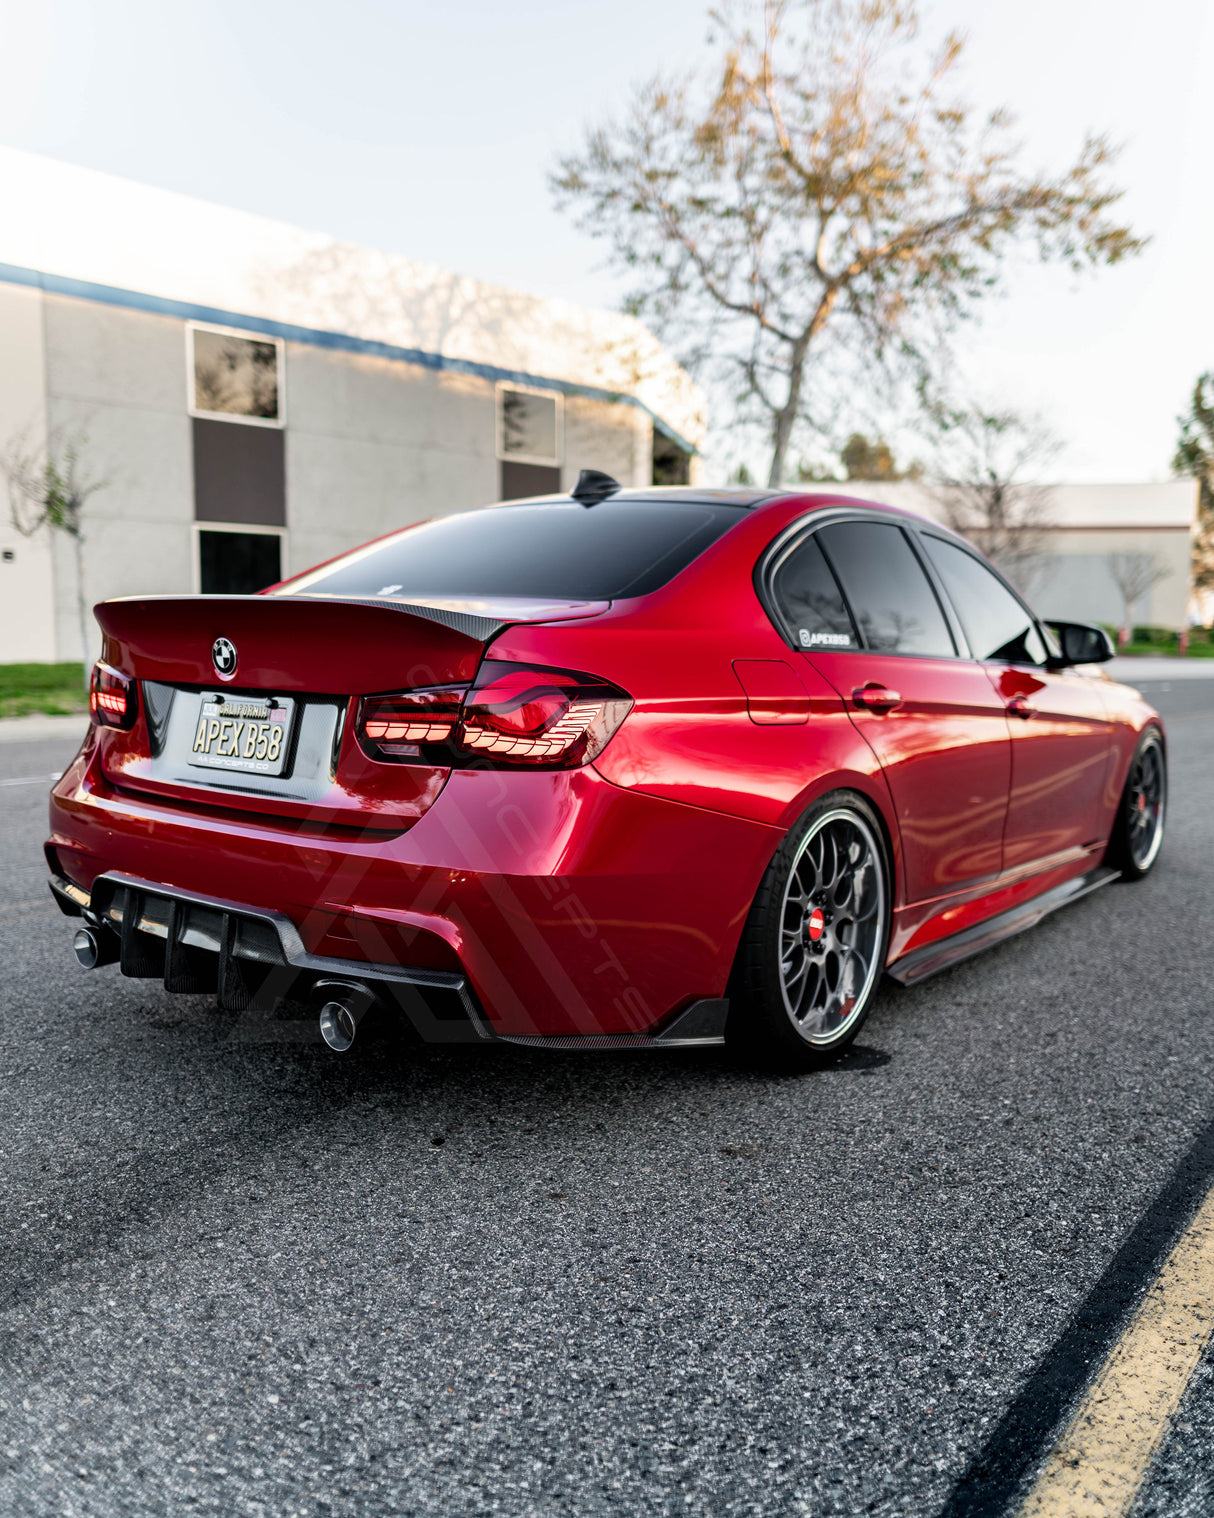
(1101, 1461)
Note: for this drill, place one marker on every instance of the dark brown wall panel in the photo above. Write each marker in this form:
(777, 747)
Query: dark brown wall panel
(239, 474)
(522, 480)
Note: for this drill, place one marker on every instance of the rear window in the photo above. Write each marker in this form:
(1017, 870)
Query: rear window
(810, 601)
(595, 553)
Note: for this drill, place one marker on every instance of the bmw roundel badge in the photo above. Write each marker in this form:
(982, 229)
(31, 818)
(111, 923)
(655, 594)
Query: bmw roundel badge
(223, 656)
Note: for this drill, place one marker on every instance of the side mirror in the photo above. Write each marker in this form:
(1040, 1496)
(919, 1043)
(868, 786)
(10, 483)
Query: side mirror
(1081, 643)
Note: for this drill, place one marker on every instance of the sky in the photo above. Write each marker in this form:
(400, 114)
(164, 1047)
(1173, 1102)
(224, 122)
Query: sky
(429, 129)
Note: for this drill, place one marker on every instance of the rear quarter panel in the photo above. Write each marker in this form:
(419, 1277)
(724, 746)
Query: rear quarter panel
(690, 737)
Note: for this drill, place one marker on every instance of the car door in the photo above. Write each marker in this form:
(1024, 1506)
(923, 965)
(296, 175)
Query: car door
(1058, 721)
(856, 598)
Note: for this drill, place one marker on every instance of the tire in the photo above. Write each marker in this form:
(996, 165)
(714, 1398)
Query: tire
(1137, 835)
(814, 944)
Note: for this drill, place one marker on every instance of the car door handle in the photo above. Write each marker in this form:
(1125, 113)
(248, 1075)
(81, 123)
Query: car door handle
(875, 697)
(1019, 706)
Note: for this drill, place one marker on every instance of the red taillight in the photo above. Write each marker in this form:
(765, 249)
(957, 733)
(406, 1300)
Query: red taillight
(112, 697)
(540, 717)
(396, 727)
(514, 715)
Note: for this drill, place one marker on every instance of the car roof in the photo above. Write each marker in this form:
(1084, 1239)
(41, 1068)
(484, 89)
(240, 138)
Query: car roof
(745, 497)
(694, 495)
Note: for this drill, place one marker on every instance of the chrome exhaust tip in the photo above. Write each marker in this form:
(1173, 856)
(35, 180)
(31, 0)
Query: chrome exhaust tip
(338, 1025)
(94, 947)
(342, 1013)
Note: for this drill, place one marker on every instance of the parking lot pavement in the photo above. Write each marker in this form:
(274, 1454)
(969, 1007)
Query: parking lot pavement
(242, 1275)
(1137, 669)
(23, 731)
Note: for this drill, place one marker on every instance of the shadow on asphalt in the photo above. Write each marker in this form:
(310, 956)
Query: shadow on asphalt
(267, 1092)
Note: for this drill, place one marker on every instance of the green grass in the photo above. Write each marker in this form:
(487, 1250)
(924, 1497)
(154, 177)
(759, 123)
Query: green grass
(1165, 641)
(1196, 650)
(50, 689)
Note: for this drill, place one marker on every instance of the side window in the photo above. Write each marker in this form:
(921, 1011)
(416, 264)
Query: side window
(890, 595)
(997, 626)
(810, 601)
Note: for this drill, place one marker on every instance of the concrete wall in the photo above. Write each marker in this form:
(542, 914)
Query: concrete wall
(373, 445)
(615, 439)
(27, 617)
(116, 385)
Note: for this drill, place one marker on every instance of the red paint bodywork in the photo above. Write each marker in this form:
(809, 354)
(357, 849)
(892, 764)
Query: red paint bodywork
(606, 898)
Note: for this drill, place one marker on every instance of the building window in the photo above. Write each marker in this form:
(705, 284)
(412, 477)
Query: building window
(528, 442)
(528, 425)
(234, 563)
(235, 376)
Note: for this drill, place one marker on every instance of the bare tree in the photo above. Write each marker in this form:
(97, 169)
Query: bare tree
(987, 482)
(821, 202)
(1195, 456)
(49, 487)
(1134, 574)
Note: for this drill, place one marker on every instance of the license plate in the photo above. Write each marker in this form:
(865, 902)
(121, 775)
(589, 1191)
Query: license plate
(237, 733)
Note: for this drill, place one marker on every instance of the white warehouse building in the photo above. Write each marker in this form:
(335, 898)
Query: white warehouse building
(1088, 537)
(257, 398)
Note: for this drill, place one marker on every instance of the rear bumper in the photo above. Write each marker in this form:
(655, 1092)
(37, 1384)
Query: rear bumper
(525, 906)
(255, 959)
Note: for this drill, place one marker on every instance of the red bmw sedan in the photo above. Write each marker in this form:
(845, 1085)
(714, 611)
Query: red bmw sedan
(622, 767)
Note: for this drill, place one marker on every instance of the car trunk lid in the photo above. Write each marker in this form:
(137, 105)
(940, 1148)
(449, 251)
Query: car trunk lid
(298, 664)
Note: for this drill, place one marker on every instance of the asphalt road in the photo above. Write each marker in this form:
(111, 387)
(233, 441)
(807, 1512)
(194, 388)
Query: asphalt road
(241, 1275)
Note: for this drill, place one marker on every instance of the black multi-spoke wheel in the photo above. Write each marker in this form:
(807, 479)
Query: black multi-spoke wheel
(814, 944)
(831, 923)
(1138, 830)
